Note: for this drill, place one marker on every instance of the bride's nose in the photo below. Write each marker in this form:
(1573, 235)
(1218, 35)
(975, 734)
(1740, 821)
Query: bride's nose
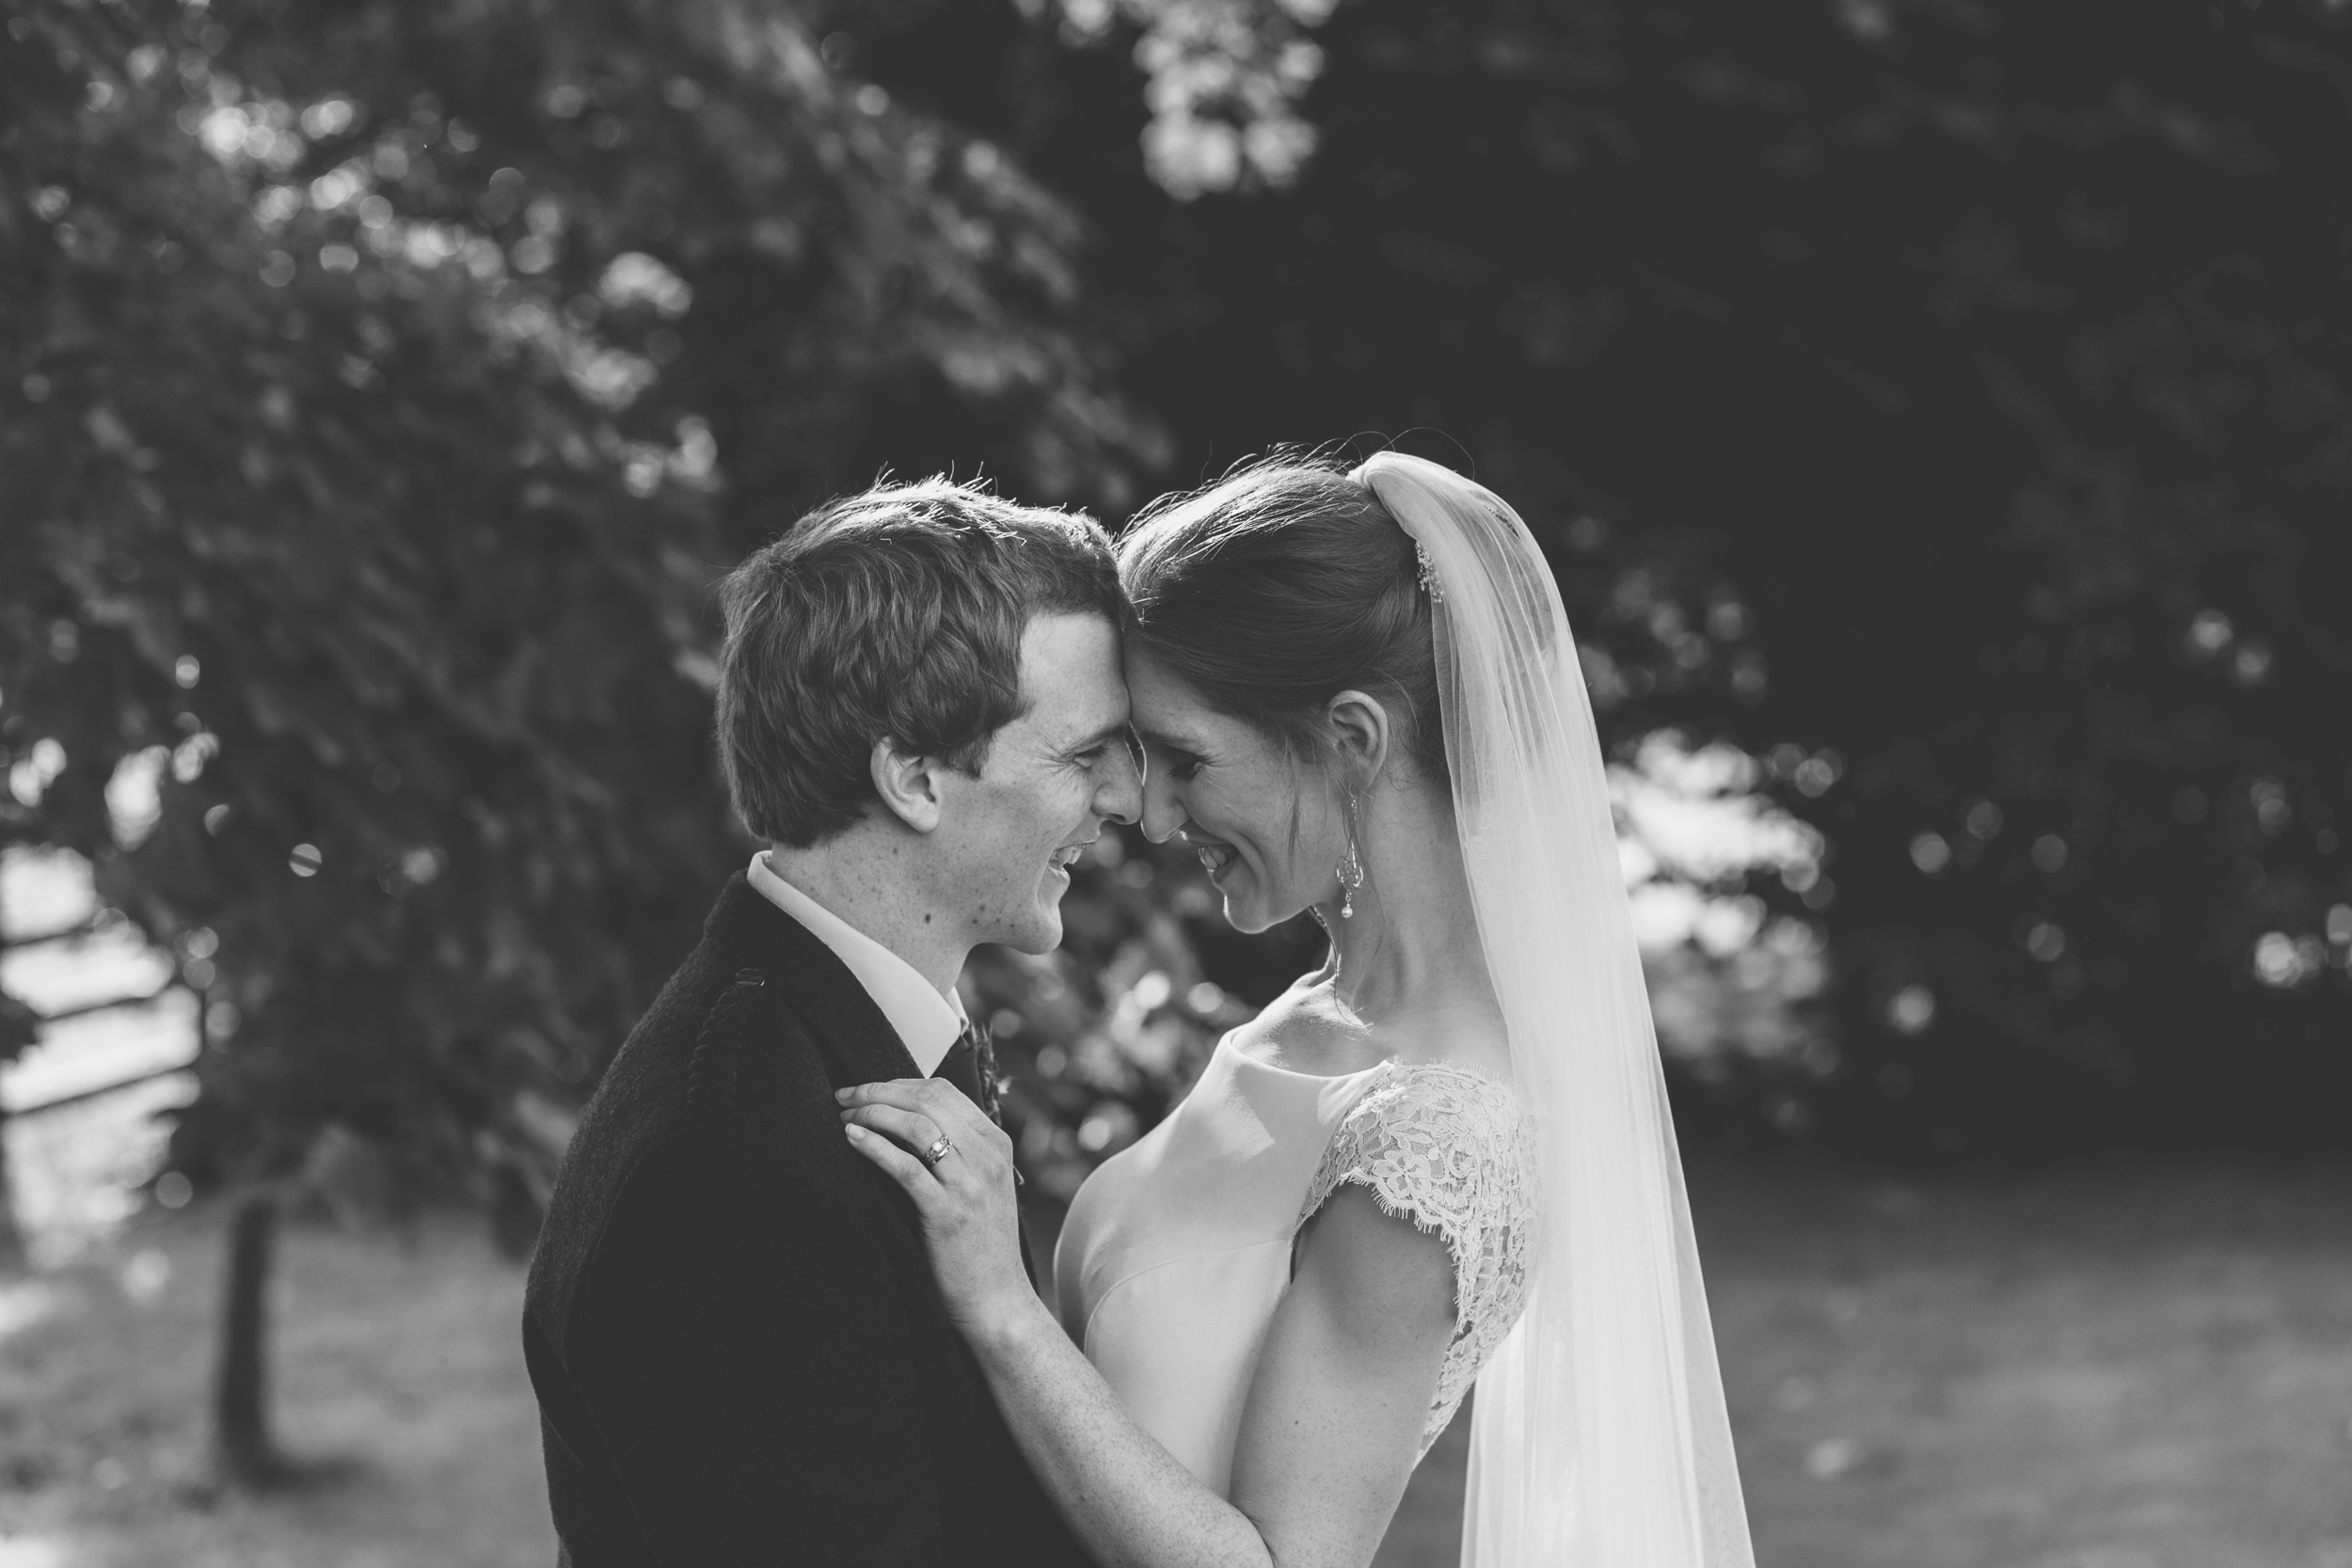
(1163, 815)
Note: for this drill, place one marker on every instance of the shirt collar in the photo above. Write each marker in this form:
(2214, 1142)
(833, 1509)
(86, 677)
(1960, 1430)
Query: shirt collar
(928, 1022)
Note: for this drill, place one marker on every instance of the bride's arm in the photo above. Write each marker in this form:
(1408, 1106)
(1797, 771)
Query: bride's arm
(1332, 1427)
(1333, 1419)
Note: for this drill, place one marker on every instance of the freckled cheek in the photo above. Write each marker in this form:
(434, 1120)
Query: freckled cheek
(1206, 810)
(1289, 872)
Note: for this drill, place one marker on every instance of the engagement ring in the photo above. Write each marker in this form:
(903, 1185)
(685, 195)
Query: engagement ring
(937, 1152)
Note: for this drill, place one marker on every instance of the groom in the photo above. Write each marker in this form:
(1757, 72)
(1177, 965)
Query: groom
(739, 1353)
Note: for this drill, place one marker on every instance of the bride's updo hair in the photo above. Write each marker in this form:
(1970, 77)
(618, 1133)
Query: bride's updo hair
(1276, 589)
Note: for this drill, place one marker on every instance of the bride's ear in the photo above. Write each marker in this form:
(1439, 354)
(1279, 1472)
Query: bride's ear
(1359, 733)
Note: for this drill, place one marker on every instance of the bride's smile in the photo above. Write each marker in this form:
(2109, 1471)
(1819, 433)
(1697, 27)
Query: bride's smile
(1215, 857)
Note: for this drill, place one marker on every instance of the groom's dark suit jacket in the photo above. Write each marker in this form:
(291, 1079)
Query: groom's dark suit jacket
(740, 1351)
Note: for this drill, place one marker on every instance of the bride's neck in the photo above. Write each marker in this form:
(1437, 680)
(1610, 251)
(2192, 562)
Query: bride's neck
(1411, 947)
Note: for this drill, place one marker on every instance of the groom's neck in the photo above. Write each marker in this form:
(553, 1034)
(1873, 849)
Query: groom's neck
(871, 880)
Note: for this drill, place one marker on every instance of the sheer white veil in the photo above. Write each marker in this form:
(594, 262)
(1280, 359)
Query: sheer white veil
(1599, 1437)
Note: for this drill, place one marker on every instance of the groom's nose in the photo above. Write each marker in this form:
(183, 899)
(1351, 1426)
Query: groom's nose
(1119, 788)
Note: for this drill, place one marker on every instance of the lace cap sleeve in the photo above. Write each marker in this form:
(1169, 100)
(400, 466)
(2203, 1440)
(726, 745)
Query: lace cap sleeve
(1453, 1152)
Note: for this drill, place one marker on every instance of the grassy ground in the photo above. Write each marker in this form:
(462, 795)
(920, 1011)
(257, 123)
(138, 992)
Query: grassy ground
(400, 1385)
(2090, 1375)
(2117, 1374)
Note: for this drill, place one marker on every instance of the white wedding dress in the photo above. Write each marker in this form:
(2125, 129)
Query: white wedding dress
(1178, 1250)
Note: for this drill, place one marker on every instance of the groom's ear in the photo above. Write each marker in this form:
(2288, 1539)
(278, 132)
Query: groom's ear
(909, 785)
(1358, 734)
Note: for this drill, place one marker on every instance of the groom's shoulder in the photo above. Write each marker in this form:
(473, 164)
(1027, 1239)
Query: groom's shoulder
(679, 1072)
(680, 1080)
(677, 1118)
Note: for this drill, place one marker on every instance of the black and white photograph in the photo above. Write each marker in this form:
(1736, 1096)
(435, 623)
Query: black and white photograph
(1175, 784)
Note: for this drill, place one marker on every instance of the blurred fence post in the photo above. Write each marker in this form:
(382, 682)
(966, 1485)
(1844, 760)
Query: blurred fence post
(12, 1237)
(241, 1430)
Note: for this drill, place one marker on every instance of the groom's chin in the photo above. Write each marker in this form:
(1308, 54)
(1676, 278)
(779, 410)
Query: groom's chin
(1039, 935)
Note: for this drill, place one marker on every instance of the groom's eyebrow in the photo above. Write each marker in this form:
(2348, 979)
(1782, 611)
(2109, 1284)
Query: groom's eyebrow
(1102, 737)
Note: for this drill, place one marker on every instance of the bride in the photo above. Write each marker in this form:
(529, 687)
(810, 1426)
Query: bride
(1443, 1157)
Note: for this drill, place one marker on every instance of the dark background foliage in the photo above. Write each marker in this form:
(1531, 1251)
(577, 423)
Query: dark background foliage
(1943, 404)
(1963, 389)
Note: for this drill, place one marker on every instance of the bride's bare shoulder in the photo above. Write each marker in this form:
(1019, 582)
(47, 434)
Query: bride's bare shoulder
(1463, 1029)
(1306, 1030)
(1473, 1044)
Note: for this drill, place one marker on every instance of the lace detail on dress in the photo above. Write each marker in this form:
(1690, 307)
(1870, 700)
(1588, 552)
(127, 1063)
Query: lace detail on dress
(1455, 1152)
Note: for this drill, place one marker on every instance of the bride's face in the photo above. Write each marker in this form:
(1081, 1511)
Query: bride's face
(1263, 822)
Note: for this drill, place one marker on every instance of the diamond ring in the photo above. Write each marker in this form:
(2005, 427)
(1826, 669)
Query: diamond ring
(937, 1152)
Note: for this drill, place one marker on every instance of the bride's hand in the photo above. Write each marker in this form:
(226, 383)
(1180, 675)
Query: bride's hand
(970, 1221)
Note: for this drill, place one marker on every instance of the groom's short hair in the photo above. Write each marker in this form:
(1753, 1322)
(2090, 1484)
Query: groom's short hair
(895, 614)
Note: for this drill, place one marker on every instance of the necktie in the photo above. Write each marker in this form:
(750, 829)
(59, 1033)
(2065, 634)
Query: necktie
(970, 1064)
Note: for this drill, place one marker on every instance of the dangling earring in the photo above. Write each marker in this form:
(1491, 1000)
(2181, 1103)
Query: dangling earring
(1351, 866)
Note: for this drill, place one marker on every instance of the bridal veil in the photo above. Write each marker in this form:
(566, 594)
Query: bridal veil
(1599, 1437)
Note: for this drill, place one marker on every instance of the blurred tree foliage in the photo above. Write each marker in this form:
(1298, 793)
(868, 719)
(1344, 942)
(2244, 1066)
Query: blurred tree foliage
(359, 503)
(336, 560)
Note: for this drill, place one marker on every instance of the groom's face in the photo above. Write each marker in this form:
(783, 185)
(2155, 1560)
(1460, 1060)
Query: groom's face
(1053, 776)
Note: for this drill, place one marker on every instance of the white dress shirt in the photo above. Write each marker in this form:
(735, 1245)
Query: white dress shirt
(928, 1021)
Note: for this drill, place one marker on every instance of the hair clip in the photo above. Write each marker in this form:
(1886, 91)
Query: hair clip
(1429, 583)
